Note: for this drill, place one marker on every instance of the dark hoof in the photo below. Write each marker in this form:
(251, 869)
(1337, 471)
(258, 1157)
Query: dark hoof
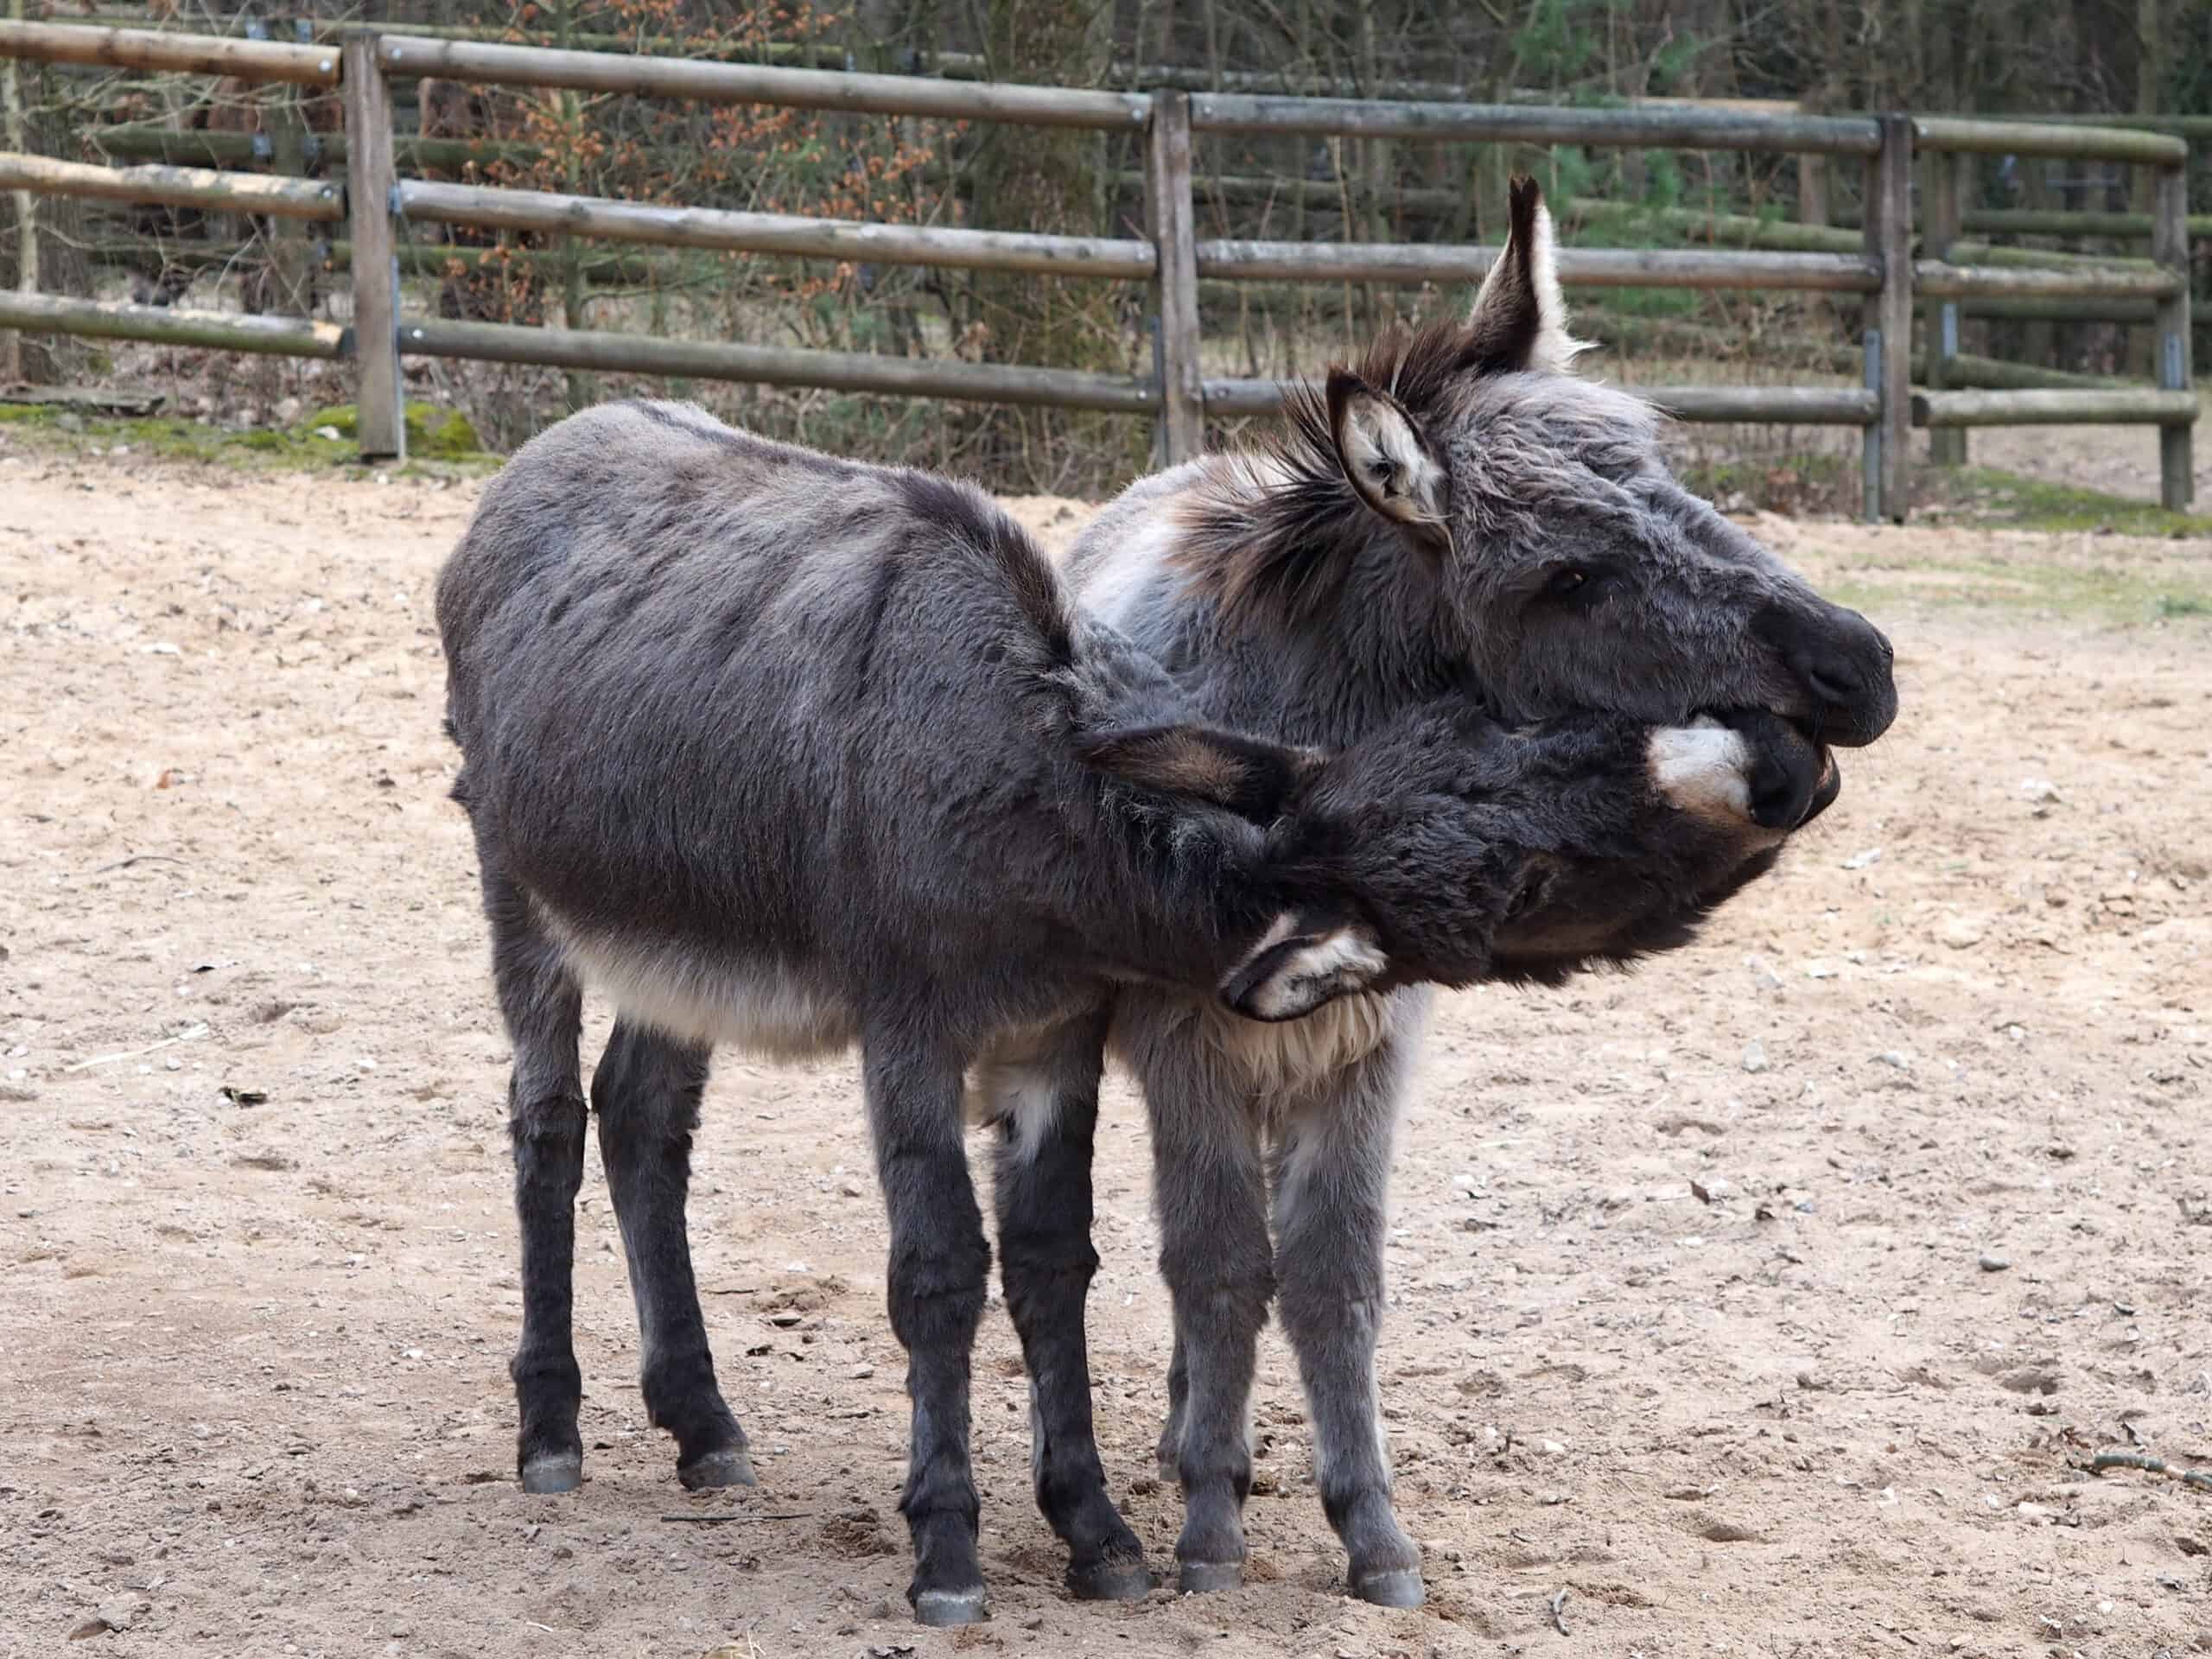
(1111, 1581)
(939, 1608)
(554, 1471)
(1398, 1587)
(726, 1467)
(1208, 1577)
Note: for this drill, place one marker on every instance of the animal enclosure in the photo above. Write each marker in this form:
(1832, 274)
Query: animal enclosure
(1178, 396)
(257, 1236)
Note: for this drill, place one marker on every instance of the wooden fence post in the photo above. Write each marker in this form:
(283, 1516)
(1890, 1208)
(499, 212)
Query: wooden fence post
(1942, 179)
(380, 414)
(1888, 221)
(1170, 219)
(2169, 247)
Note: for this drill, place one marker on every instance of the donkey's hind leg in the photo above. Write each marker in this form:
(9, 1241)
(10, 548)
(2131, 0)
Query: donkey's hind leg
(542, 1006)
(1045, 1099)
(940, 1271)
(646, 1092)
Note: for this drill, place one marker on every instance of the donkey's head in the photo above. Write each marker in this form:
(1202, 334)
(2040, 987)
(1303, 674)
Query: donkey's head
(1446, 848)
(1526, 514)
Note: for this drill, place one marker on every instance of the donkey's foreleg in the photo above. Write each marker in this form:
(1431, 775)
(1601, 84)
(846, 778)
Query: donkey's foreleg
(1332, 1173)
(1047, 1101)
(647, 1093)
(940, 1267)
(1170, 1450)
(1210, 1189)
(542, 1006)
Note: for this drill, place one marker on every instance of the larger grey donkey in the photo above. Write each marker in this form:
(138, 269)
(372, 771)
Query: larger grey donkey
(787, 752)
(1458, 514)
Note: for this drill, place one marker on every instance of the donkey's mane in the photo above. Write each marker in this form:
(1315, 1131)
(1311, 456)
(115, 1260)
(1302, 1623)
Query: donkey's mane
(1273, 529)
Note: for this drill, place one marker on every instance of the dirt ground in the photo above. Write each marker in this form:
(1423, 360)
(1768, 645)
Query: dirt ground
(1764, 1302)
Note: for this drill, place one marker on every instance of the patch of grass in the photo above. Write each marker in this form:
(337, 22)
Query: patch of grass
(1990, 497)
(440, 437)
(433, 434)
(2115, 592)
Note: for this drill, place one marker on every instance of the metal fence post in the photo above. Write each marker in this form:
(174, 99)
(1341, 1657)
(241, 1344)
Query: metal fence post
(1170, 219)
(1889, 316)
(1942, 180)
(379, 407)
(2169, 247)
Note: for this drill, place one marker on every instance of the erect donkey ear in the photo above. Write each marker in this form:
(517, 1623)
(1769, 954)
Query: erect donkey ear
(1251, 778)
(1519, 319)
(1385, 455)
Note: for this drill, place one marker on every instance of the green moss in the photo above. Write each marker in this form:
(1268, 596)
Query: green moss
(433, 434)
(441, 437)
(1988, 497)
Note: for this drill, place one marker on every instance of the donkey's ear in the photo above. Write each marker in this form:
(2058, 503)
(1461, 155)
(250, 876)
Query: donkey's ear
(1249, 778)
(1519, 320)
(1384, 454)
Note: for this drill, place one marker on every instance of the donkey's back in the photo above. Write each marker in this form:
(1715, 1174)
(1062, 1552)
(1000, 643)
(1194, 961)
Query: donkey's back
(687, 665)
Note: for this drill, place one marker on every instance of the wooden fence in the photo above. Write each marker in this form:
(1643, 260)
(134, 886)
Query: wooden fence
(1882, 268)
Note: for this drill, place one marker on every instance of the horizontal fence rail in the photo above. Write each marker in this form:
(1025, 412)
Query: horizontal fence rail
(1958, 135)
(1937, 280)
(571, 348)
(180, 186)
(789, 233)
(2053, 408)
(215, 331)
(148, 49)
(1679, 129)
(1392, 262)
(1876, 262)
(742, 83)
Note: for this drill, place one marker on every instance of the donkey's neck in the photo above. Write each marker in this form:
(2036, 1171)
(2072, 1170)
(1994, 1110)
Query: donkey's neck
(1314, 619)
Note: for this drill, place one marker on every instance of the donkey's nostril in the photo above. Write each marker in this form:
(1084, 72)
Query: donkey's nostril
(1842, 666)
(1834, 683)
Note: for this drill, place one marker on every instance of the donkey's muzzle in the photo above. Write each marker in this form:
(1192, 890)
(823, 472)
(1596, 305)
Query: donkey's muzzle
(1843, 667)
(1792, 779)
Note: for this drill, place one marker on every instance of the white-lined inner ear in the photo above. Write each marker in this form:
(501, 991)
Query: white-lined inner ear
(1555, 349)
(1340, 962)
(1387, 463)
(1703, 768)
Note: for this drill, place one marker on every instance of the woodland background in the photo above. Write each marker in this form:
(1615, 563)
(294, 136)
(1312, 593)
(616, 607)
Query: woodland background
(2139, 57)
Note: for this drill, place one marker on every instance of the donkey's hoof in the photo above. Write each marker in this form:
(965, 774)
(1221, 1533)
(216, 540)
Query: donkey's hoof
(939, 1608)
(1207, 1578)
(1395, 1588)
(1171, 1470)
(1111, 1581)
(554, 1471)
(725, 1467)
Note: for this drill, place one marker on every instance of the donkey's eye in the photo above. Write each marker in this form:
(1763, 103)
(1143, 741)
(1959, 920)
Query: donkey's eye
(1566, 583)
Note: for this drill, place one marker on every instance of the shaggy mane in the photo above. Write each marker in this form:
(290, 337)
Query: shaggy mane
(1273, 529)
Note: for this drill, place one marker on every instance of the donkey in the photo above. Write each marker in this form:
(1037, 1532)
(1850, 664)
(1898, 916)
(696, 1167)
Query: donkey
(1457, 515)
(792, 753)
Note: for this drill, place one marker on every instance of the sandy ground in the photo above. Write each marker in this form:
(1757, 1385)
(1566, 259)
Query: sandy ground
(1766, 1302)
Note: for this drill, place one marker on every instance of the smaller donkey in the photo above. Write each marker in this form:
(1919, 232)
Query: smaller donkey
(792, 753)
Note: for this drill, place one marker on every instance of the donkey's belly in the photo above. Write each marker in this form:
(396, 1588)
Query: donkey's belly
(751, 1005)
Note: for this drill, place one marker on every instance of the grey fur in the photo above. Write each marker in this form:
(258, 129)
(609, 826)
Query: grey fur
(789, 751)
(1415, 531)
